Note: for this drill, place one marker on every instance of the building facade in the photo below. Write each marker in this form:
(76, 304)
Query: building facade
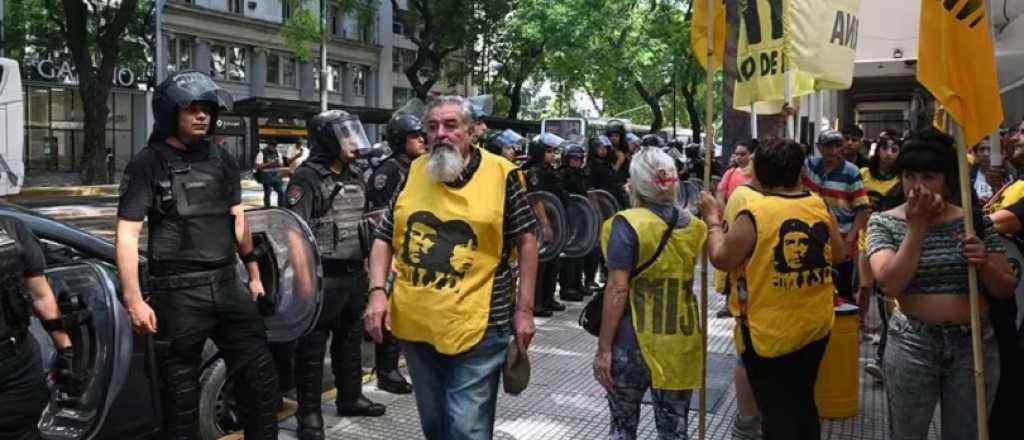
(239, 43)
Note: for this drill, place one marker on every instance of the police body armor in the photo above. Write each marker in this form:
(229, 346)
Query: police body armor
(15, 307)
(339, 226)
(198, 224)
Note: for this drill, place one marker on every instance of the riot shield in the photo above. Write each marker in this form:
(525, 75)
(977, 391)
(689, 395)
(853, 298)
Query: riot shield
(549, 211)
(583, 223)
(101, 335)
(604, 203)
(290, 270)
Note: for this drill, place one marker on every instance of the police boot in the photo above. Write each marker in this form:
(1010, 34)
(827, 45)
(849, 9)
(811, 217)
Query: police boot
(388, 377)
(181, 400)
(258, 397)
(309, 375)
(346, 363)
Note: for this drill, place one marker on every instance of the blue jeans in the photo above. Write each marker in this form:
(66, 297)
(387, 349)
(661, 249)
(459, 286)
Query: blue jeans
(275, 184)
(456, 395)
(631, 379)
(929, 364)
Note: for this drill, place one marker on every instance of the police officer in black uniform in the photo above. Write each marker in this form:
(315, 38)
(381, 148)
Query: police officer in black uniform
(574, 181)
(23, 393)
(407, 140)
(191, 192)
(327, 191)
(541, 175)
(601, 175)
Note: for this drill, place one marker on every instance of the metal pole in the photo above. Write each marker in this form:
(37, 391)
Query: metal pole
(753, 121)
(323, 55)
(786, 77)
(972, 285)
(709, 155)
(675, 86)
(3, 42)
(161, 63)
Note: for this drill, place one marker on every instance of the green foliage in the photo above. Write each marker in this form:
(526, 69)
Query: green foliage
(301, 31)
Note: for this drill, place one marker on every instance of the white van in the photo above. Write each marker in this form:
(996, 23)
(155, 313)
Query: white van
(12, 129)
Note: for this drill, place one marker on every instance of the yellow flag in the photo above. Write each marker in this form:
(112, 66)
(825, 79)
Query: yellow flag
(956, 63)
(699, 33)
(761, 60)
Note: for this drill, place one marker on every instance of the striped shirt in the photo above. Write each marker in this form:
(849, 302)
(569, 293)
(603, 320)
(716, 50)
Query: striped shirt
(842, 189)
(519, 219)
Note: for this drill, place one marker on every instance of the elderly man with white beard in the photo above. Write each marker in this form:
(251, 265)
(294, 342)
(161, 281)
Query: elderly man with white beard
(460, 217)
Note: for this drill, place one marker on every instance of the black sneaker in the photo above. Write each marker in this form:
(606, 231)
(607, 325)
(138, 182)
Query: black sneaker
(556, 307)
(542, 313)
(362, 407)
(571, 295)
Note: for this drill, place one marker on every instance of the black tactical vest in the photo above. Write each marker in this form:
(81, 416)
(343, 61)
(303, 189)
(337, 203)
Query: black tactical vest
(196, 222)
(15, 306)
(337, 221)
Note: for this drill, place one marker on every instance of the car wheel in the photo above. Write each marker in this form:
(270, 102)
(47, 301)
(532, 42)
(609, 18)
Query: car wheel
(218, 411)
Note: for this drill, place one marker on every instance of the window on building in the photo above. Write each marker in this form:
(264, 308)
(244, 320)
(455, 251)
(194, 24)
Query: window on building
(398, 25)
(401, 59)
(400, 96)
(334, 77)
(359, 77)
(179, 53)
(229, 62)
(273, 69)
(238, 64)
(334, 19)
(236, 6)
(218, 61)
(286, 9)
(288, 71)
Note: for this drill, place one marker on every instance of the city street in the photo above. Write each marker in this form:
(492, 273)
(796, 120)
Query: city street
(563, 400)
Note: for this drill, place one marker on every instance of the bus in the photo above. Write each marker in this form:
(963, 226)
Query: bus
(12, 128)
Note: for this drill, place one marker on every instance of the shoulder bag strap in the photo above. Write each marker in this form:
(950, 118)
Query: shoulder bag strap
(661, 245)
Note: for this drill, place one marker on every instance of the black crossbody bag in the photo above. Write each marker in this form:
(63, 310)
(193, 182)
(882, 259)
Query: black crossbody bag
(590, 317)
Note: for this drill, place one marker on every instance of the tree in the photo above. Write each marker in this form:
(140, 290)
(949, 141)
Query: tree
(301, 31)
(441, 28)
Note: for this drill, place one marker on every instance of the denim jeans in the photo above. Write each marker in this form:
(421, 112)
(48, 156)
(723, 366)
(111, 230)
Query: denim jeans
(456, 395)
(273, 184)
(929, 364)
(631, 379)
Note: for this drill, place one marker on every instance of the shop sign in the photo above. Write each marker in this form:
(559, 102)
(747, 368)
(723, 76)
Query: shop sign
(58, 69)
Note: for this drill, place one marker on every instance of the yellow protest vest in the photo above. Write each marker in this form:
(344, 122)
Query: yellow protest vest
(448, 244)
(738, 201)
(876, 189)
(664, 308)
(789, 274)
(1012, 194)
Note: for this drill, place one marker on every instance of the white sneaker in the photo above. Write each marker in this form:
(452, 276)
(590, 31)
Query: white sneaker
(875, 371)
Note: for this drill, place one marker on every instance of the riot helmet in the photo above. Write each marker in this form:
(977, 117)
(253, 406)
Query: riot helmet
(652, 140)
(615, 126)
(541, 144)
(596, 143)
(572, 150)
(334, 130)
(180, 91)
(632, 139)
(399, 129)
(497, 141)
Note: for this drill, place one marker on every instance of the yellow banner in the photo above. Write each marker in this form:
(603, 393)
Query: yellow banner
(761, 59)
(821, 40)
(956, 63)
(699, 33)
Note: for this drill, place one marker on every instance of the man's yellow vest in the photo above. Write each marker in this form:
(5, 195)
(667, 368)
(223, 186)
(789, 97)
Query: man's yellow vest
(664, 308)
(725, 282)
(1012, 194)
(789, 274)
(448, 244)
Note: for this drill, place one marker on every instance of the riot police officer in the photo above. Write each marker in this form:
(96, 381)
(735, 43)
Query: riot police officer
(541, 175)
(190, 191)
(574, 181)
(506, 143)
(23, 393)
(328, 192)
(407, 140)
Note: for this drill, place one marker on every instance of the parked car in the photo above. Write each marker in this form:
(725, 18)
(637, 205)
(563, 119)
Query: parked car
(122, 399)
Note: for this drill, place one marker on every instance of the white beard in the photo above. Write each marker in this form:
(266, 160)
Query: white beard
(444, 163)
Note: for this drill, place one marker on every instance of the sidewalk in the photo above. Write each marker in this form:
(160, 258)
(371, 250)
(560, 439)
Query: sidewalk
(564, 402)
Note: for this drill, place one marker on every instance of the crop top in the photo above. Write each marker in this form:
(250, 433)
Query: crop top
(941, 268)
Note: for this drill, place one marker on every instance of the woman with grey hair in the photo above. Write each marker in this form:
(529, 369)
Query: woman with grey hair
(650, 251)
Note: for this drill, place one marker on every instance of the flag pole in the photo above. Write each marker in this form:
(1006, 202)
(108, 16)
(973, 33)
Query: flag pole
(972, 284)
(709, 155)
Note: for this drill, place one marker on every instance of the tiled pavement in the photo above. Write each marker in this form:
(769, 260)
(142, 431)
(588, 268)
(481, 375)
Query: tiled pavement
(564, 402)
